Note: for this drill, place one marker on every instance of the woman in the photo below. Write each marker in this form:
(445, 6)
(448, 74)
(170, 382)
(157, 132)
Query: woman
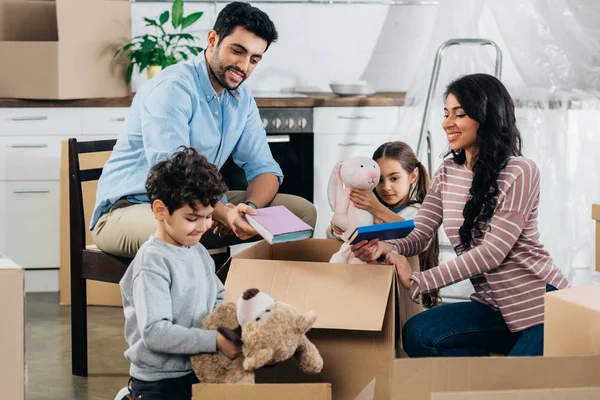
(487, 195)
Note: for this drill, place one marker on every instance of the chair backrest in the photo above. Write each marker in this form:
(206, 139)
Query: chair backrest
(76, 177)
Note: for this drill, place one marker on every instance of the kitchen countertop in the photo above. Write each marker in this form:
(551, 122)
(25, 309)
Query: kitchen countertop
(316, 99)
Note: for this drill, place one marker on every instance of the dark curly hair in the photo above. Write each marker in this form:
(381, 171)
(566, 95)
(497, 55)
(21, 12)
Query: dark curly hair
(248, 17)
(407, 158)
(484, 99)
(185, 178)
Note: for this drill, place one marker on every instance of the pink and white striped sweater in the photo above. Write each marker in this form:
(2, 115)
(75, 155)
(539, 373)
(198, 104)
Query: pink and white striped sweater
(508, 266)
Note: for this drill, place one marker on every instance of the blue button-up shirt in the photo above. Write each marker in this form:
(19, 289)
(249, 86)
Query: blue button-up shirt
(178, 107)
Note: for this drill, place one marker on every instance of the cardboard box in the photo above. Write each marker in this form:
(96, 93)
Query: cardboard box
(51, 50)
(262, 392)
(356, 307)
(572, 321)
(539, 394)
(596, 216)
(98, 293)
(12, 334)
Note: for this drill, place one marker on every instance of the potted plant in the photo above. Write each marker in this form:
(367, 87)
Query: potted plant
(155, 52)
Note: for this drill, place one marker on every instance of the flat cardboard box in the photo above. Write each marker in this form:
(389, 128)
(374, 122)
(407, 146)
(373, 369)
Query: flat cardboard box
(12, 334)
(572, 321)
(313, 391)
(356, 308)
(539, 394)
(51, 49)
(98, 293)
(596, 216)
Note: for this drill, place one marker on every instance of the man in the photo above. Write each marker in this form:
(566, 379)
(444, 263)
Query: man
(202, 103)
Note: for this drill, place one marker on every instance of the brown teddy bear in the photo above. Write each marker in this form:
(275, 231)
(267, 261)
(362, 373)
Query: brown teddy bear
(271, 332)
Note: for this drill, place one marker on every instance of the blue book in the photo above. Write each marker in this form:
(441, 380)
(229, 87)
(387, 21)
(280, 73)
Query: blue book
(387, 231)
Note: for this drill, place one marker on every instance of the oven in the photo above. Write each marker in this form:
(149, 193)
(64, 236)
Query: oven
(291, 140)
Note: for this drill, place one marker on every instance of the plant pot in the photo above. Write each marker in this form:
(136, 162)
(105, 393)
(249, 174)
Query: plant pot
(153, 70)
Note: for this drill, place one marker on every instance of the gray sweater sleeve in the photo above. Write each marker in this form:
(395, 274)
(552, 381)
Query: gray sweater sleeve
(155, 318)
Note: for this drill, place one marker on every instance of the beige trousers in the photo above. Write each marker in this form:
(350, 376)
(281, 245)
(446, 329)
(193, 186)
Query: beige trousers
(122, 229)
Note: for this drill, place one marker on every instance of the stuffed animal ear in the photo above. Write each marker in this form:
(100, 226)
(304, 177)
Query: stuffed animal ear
(258, 359)
(335, 184)
(305, 321)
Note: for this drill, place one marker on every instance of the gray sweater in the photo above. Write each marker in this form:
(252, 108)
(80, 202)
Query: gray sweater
(166, 291)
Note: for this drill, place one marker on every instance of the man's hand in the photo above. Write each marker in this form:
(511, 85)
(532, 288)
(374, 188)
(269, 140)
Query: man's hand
(403, 269)
(369, 251)
(236, 223)
(220, 229)
(365, 200)
(230, 349)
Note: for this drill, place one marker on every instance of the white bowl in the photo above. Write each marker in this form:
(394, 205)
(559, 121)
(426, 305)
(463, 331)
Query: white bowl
(358, 88)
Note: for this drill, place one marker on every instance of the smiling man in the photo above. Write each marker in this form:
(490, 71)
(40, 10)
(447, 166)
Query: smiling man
(202, 103)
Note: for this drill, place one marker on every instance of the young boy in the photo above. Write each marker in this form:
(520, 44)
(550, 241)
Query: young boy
(171, 283)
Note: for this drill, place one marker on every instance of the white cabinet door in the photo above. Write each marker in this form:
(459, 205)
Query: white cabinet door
(29, 232)
(40, 121)
(356, 120)
(25, 157)
(329, 149)
(104, 121)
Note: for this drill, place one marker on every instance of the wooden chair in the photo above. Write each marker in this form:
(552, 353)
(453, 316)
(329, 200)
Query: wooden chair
(87, 262)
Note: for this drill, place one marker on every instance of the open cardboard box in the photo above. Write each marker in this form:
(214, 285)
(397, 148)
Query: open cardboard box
(355, 331)
(596, 216)
(62, 49)
(533, 394)
(12, 334)
(295, 391)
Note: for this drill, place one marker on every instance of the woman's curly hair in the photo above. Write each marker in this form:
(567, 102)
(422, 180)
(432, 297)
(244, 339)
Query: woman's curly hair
(484, 99)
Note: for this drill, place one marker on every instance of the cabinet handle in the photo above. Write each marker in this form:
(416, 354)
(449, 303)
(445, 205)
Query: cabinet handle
(119, 119)
(349, 144)
(29, 118)
(28, 146)
(278, 139)
(40, 190)
(354, 117)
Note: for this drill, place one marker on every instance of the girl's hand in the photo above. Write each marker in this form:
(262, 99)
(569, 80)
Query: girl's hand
(403, 269)
(369, 251)
(365, 200)
(336, 229)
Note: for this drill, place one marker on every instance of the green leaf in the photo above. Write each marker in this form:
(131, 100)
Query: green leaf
(177, 13)
(183, 55)
(190, 19)
(128, 73)
(150, 22)
(186, 36)
(164, 17)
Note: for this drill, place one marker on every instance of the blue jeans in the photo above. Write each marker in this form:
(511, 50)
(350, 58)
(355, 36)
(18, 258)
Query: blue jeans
(468, 329)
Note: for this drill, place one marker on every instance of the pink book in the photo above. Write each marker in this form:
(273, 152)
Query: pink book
(279, 225)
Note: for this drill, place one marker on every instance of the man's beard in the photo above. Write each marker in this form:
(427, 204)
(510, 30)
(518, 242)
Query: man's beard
(219, 71)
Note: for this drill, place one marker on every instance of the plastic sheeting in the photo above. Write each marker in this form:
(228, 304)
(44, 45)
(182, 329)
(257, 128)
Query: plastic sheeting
(551, 51)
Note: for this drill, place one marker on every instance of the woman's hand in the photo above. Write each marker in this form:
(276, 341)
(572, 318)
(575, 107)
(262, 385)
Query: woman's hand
(403, 269)
(230, 349)
(369, 251)
(365, 200)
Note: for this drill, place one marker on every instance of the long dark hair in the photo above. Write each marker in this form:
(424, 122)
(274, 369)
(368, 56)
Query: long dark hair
(484, 99)
(408, 160)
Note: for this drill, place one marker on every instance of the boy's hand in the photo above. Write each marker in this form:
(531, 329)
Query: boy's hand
(365, 200)
(230, 349)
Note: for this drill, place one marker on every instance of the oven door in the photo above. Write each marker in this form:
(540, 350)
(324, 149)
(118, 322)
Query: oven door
(294, 152)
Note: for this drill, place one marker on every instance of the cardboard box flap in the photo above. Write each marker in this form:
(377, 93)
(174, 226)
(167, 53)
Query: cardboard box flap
(352, 297)
(596, 212)
(587, 296)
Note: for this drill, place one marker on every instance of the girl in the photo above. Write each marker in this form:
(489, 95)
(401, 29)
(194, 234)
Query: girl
(398, 196)
(487, 195)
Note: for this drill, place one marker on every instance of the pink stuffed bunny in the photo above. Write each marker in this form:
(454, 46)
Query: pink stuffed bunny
(356, 172)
